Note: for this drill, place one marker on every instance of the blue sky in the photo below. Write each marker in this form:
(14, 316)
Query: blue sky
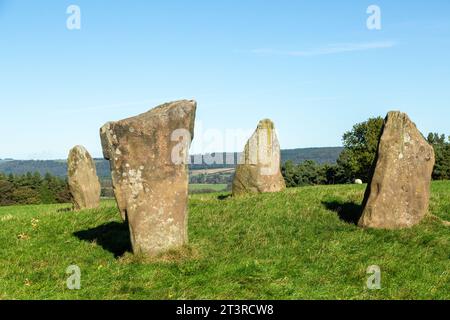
(311, 66)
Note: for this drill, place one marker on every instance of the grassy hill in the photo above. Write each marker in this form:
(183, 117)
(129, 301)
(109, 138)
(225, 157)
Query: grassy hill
(298, 244)
(59, 167)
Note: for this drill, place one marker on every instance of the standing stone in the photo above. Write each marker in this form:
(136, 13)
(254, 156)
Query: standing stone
(148, 156)
(83, 181)
(399, 191)
(259, 167)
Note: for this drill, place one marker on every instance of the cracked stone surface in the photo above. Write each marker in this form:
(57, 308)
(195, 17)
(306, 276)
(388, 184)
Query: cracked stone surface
(148, 158)
(398, 194)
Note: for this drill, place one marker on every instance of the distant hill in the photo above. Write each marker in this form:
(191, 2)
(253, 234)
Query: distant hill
(59, 167)
(320, 155)
(55, 167)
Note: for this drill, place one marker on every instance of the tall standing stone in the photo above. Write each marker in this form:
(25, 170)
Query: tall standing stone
(148, 157)
(83, 181)
(259, 167)
(399, 191)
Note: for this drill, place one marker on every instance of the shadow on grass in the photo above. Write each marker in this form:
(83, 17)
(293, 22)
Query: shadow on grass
(348, 212)
(224, 196)
(113, 237)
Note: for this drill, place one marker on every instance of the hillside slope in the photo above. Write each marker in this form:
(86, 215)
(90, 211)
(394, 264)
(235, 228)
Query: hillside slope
(59, 167)
(299, 244)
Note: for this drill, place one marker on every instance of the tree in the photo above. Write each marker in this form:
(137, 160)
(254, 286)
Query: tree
(441, 147)
(288, 172)
(6, 191)
(307, 173)
(360, 148)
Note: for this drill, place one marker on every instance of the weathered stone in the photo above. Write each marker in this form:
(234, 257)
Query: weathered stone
(148, 157)
(399, 191)
(259, 168)
(83, 181)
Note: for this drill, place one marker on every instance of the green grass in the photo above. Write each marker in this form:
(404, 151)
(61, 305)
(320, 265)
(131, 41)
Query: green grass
(206, 186)
(291, 245)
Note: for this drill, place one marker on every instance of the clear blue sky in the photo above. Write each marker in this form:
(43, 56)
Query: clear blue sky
(311, 66)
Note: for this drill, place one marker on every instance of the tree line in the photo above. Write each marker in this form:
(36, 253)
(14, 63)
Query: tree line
(32, 188)
(356, 160)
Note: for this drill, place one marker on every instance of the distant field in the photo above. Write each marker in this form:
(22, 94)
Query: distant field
(298, 244)
(213, 187)
(212, 171)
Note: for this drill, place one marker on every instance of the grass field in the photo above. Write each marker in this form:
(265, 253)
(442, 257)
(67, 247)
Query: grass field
(206, 186)
(299, 244)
